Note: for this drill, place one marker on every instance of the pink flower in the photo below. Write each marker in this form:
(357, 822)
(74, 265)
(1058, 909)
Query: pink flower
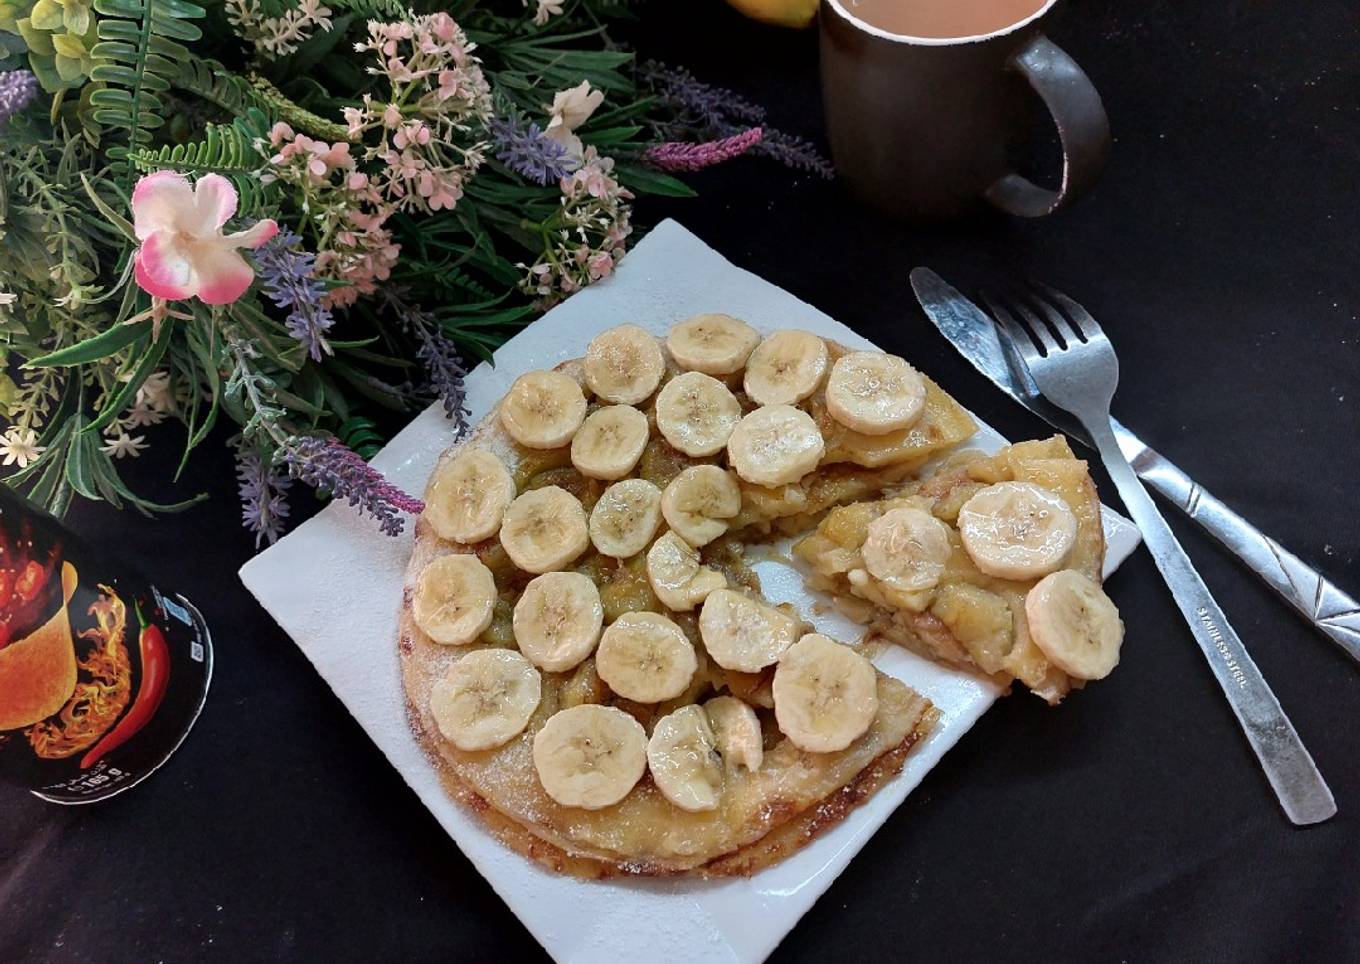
(183, 252)
(601, 266)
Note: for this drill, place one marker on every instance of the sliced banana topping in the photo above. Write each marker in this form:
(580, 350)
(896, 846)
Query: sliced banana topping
(485, 699)
(590, 756)
(625, 518)
(683, 757)
(785, 368)
(699, 502)
(454, 599)
(645, 657)
(1075, 624)
(609, 442)
(907, 549)
(1017, 530)
(543, 409)
(544, 529)
(468, 496)
(676, 575)
(712, 344)
(624, 365)
(557, 620)
(742, 633)
(825, 694)
(775, 445)
(875, 393)
(696, 413)
(737, 730)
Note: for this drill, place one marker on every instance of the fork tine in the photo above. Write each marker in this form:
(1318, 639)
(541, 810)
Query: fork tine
(1038, 327)
(1060, 325)
(1013, 331)
(1027, 321)
(1088, 325)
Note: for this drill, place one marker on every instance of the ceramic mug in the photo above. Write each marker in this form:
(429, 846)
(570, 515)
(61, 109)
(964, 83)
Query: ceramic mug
(925, 128)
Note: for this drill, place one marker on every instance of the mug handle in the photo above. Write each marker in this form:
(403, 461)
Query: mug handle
(1082, 123)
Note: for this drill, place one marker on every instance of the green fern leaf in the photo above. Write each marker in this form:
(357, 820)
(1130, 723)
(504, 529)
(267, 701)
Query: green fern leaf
(226, 149)
(141, 44)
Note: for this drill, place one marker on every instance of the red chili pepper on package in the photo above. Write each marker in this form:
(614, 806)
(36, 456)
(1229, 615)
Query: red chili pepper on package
(155, 677)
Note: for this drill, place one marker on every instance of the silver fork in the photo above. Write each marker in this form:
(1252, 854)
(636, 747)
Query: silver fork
(1074, 365)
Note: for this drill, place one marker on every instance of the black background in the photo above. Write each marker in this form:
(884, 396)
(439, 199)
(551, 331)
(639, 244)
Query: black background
(1132, 823)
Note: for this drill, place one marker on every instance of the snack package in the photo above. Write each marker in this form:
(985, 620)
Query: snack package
(102, 673)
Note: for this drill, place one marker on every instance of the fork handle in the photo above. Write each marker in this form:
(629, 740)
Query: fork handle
(1302, 792)
(1320, 601)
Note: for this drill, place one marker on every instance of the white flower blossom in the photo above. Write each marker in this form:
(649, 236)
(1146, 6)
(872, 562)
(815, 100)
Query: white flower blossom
(19, 447)
(547, 9)
(157, 393)
(569, 110)
(123, 445)
(141, 415)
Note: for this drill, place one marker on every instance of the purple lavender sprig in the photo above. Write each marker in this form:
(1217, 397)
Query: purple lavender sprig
(264, 496)
(436, 351)
(286, 277)
(527, 151)
(327, 465)
(680, 156)
(18, 89)
(714, 113)
(700, 104)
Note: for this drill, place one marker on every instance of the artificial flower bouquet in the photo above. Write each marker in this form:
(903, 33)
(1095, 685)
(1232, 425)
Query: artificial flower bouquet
(290, 215)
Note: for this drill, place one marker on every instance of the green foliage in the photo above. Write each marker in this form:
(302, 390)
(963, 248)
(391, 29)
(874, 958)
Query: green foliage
(94, 364)
(140, 49)
(226, 149)
(60, 36)
(298, 117)
(239, 95)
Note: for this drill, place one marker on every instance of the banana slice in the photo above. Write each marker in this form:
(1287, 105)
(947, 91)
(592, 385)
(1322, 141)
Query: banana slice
(683, 757)
(875, 393)
(544, 529)
(454, 598)
(696, 413)
(557, 620)
(468, 496)
(775, 445)
(699, 501)
(712, 344)
(543, 409)
(609, 442)
(907, 549)
(785, 368)
(645, 657)
(485, 699)
(590, 756)
(624, 365)
(1017, 530)
(625, 518)
(1075, 624)
(825, 694)
(677, 578)
(742, 633)
(737, 729)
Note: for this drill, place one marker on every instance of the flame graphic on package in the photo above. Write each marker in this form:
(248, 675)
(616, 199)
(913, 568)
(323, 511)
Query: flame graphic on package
(102, 691)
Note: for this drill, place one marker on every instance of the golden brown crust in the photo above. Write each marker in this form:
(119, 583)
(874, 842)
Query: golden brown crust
(935, 630)
(764, 819)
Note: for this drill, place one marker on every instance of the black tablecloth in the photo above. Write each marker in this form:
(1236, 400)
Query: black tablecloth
(1131, 823)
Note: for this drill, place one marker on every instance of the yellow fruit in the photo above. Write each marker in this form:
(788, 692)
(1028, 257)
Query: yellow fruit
(781, 13)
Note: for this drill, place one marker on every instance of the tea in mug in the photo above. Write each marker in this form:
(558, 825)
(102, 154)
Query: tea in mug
(942, 18)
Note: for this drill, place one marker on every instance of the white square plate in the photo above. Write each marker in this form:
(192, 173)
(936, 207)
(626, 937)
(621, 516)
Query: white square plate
(338, 570)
